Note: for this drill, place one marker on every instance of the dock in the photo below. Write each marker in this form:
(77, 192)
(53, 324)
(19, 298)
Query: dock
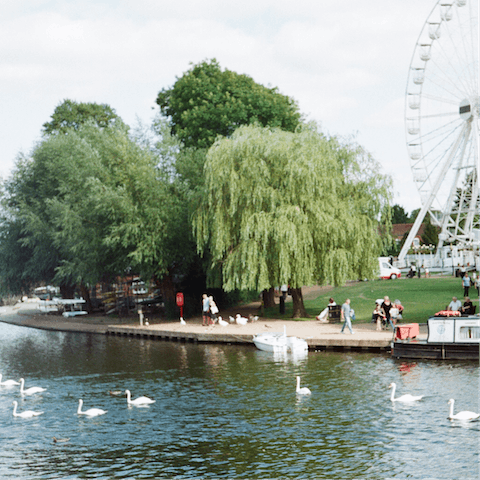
(320, 344)
(320, 337)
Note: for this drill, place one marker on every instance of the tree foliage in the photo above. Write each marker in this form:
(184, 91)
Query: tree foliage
(89, 205)
(72, 115)
(399, 215)
(207, 102)
(290, 208)
(430, 233)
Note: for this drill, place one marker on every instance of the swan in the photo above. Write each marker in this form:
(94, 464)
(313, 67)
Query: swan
(182, 321)
(222, 322)
(91, 412)
(403, 398)
(465, 415)
(26, 413)
(8, 383)
(303, 390)
(60, 440)
(241, 320)
(115, 393)
(139, 400)
(232, 320)
(31, 390)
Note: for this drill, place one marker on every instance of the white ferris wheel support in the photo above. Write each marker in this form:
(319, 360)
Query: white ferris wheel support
(442, 113)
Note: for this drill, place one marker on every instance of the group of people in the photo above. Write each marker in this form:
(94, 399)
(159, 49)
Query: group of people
(209, 310)
(456, 306)
(386, 313)
(413, 271)
(467, 282)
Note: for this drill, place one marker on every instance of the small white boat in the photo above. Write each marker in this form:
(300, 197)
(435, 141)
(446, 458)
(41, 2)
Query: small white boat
(279, 342)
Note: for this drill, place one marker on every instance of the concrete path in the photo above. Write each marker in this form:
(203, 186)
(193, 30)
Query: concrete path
(317, 334)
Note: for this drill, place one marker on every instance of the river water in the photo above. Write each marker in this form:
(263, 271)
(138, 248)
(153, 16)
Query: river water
(226, 411)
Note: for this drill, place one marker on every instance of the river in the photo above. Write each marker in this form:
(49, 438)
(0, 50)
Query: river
(227, 411)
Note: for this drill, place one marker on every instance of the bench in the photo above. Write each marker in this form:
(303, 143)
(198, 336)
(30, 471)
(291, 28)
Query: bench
(334, 313)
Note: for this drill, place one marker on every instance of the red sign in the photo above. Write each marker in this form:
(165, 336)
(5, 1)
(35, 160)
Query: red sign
(179, 299)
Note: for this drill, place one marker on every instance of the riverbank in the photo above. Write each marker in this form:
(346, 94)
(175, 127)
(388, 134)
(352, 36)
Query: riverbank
(320, 336)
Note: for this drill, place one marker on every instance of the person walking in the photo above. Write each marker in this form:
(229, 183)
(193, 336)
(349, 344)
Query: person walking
(477, 285)
(466, 284)
(346, 313)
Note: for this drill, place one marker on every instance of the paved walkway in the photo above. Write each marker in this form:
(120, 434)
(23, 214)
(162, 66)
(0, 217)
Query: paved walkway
(316, 333)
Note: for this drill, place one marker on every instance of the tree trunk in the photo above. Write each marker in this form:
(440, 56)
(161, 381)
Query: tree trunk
(168, 288)
(268, 298)
(298, 306)
(86, 296)
(67, 291)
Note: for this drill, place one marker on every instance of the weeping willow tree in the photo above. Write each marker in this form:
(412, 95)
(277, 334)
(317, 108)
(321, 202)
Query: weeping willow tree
(290, 208)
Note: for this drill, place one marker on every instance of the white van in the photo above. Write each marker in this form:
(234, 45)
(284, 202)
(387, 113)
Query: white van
(386, 270)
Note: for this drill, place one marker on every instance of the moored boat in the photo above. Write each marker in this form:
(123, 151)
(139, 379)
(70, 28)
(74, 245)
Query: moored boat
(279, 342)
(456, 338)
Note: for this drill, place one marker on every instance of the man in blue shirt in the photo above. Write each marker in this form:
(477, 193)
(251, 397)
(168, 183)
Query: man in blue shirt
(346, 313)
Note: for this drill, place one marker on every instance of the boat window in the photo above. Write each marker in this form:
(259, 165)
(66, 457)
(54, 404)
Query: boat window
(469, 332)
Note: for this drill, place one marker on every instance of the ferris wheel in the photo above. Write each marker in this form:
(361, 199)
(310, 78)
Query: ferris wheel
(442, 111)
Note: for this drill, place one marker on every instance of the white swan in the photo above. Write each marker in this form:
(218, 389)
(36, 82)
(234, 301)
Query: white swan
(222, 322)
(31, 390)
(403, 398)
(91, 412)
(139, 400)
(8, 383)
(465, 415)
(26, 413)
(303, 390)
(182, 321)
(241, 320)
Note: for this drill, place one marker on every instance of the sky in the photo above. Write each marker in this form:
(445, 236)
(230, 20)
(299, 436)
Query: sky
(345, 62)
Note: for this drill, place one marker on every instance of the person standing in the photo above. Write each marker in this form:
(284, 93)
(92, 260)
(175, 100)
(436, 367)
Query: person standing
(346, 312)
(387, 305)
(205, 310)
(213, 310)
(477, 285)
(466, 284)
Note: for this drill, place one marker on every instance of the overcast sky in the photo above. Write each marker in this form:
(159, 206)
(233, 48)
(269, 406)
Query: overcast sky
(344, 61)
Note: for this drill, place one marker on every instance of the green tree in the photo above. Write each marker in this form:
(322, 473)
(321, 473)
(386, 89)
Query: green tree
(399, 215)
(72, 115)
(413, 215)
(207, 102)
(89, 205)
(430, 233)
(290, 208)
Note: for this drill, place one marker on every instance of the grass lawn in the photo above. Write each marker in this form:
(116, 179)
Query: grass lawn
(421, 297)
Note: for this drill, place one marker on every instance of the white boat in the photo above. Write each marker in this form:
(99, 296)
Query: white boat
(279, 342)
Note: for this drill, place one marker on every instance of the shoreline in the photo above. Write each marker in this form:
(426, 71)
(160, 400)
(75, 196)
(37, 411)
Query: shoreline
(319, 336)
